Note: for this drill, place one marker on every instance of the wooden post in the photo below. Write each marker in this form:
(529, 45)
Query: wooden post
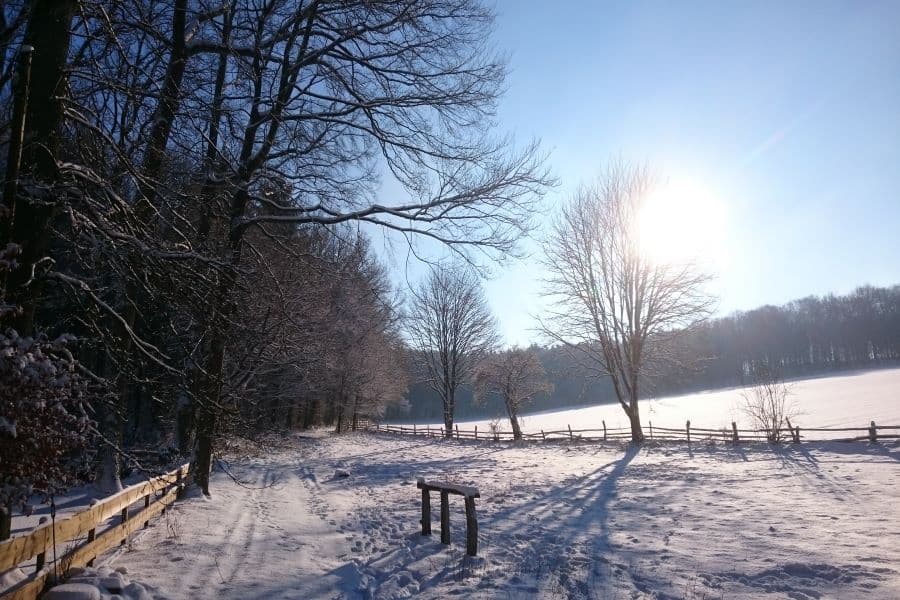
(734, 433)
(426, 512)
(873, 433)
(651, 429)
(445, 517)
(687, 427)
(570, 432)
(543, 437)
(795, 431)
(476, 432)
(604, 430)
(124, 518)
(146, 506)
(457, 431)
(179, 483)
(414, 429)
(471, 527)
(92, 535)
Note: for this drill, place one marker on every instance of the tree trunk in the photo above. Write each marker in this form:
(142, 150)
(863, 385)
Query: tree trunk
(48, 30)
(206, 426)
(107, 479)
(448, 424)
(209, 407)
(514, 421)
(634, 416)
(5, 522)
(449, 402)
(184, 423)
(340, 417)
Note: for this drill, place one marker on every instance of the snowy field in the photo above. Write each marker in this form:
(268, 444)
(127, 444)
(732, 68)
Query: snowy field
(338, 517)
(849, 400)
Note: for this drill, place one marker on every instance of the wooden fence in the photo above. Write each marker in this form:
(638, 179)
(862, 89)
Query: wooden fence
(80, 538)
(687, 433)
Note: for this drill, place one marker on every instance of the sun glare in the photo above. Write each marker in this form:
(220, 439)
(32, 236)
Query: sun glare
(683, 220)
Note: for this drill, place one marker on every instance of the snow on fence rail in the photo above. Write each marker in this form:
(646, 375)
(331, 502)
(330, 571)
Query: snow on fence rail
(78, 534)
(687, 433)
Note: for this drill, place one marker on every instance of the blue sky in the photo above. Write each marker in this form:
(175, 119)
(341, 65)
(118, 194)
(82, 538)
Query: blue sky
(788, 113)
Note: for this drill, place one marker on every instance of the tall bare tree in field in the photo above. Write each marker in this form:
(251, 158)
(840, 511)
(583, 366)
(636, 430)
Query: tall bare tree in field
(516, 376)
(615, 307)
(451, 329)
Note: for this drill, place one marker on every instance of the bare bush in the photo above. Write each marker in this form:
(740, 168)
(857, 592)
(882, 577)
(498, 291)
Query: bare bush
(767, 402)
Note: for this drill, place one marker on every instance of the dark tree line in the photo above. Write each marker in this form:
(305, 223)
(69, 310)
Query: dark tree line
(810, 336)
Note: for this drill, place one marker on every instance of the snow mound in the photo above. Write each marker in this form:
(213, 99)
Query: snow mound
(102, 584)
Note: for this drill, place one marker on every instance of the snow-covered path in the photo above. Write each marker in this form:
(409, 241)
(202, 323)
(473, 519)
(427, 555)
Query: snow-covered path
(556, 521)
(269, 537)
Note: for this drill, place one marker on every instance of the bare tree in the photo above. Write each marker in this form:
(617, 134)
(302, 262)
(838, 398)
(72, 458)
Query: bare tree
(452, 329)
(614, 306)
(516, 376)
(767, 401)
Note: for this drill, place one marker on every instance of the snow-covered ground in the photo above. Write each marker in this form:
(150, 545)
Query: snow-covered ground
(338, 517)
(849, 400)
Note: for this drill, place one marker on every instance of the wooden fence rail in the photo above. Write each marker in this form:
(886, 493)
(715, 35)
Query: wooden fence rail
(78, 536)
(687, 433)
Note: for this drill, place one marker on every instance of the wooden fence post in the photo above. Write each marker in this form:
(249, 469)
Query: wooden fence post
(426, 512)
(688, 429)
(604, 430)
(570, 432)
(651, 429)
(543, 436)
(795, 431)
(92, 535)
(179, 482)
(414, 429)
(476, 432)
(873, 432)
(734, 434)
(457, 431)
(124, 518)
(445, 517)
(146, 506)
(471, 527)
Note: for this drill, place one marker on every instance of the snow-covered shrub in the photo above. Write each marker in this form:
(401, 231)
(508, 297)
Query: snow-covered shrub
(42, 412)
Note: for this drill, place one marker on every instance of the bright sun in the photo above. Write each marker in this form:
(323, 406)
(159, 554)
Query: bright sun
(683, 220)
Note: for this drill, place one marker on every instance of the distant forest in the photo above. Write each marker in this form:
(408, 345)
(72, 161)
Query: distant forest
(809, 336)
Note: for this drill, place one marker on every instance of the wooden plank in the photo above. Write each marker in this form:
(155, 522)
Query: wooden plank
(29, 589)
(452, 488)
